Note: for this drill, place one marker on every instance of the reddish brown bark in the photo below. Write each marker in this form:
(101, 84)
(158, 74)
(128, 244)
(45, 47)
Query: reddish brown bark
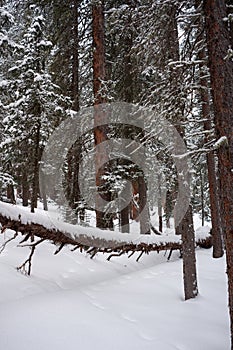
(75, 63)
(213, 186)
(99, 73)
(10, 193)
(221, 70)
(103, 219)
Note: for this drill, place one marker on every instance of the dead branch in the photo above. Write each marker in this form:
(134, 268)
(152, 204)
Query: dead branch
(25, 238)
(170, 254)
(91, 250)
(59, 249)
(131, 254)
(94, 253)
(112, 255)
(7, 241)
(29, 259)
(140, 255)
(31, 244)
(157, 232)
(22, 267)
(75, 248)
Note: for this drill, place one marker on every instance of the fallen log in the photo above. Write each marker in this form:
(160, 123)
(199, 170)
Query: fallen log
(80, 238)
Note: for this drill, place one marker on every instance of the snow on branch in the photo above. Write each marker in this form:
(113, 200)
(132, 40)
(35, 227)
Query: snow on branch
(221, 142)
(89, 240)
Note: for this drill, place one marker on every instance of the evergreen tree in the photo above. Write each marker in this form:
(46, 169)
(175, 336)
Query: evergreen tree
(35, 107)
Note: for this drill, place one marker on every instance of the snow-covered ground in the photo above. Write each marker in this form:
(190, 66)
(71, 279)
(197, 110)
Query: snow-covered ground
(73, 302)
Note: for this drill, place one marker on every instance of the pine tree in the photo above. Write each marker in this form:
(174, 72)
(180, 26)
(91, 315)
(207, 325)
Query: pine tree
(36, 105)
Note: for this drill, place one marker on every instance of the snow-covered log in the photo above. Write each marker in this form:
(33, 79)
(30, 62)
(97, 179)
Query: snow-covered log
(86, 239)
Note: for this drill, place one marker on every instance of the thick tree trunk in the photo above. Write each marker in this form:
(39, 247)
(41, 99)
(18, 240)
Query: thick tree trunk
(143, 206)
(188, 253)
(230, 12)
(185, 227)
(98, 32)
(75, 63)
(213, 185)
(103, 219)
(124, 219)
(221, 71)
(212, 178)
(168, 209)
(10, 193)
(76, 106)
(76, 193)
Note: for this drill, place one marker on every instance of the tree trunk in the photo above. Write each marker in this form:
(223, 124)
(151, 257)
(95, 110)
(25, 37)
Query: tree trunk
(25, 188)
(168, 209)
(188, 253)
(143, 206)
(76, 106)
(124, 219)
(43, 191)
(202, 200)
(103, 219)
(230, 12)
(221, 71)
(10, 193)
(160, 214)
(213, 185)
(35, 181)
(75, 63)
(185, 227)
(76, 193)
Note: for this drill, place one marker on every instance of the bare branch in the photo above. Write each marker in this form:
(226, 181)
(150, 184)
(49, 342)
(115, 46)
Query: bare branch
(5, 243)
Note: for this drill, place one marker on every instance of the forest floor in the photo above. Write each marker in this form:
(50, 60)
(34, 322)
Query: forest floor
(73, 302)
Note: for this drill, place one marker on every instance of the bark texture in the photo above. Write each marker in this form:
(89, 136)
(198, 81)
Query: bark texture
(212, 176)
(189, 259)
(185, 227)
(35, 182)
(75, 63)
(221, 70)
(25, 188)
(103, 219)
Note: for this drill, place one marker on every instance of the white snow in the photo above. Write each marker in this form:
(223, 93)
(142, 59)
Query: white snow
(45, 43)
(221, 142)
(203, 231)
(73, 302)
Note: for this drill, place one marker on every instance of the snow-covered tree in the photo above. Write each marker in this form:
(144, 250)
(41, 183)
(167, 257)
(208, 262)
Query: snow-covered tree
(36, 105)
